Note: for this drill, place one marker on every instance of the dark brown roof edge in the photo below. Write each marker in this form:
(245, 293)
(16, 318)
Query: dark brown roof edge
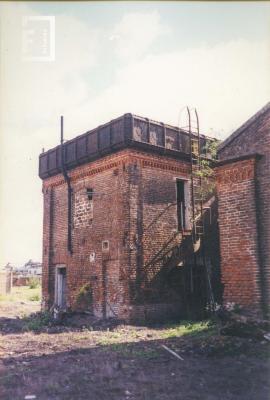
(237, 159)
(173, 127)
(238, 131)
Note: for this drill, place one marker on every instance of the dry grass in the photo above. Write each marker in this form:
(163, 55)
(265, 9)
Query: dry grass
(21, 294)
(124, 362)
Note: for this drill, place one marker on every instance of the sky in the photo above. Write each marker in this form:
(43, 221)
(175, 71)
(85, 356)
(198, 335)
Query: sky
(148, 58)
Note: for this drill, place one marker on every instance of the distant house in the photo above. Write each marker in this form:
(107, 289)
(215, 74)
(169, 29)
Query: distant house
(31, 268)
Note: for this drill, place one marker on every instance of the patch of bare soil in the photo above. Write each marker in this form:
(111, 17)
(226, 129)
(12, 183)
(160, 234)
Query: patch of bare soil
(80, 360)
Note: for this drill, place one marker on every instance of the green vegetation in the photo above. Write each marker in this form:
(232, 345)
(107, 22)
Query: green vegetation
(37, 321)
(206, 172)
(35, 297)
(22, 293)
(85, 296)
(129, 350)
(109, 338)
(195, 329)
(33, 283)
(204, 328)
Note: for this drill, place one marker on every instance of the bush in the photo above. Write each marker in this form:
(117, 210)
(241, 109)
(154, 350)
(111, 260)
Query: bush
(36, 322)
(33, 283)
(85, 296)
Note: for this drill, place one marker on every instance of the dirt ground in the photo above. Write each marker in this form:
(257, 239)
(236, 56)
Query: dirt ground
(83, 359)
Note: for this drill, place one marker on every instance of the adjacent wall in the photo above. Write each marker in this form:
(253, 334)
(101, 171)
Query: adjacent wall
(244, 213)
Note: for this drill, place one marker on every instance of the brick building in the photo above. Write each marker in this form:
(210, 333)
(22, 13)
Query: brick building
(117, 236)
(243, 186)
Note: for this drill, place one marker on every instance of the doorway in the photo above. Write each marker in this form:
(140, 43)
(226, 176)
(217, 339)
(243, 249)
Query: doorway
(110, 281)
(188, 282)
(60, 286)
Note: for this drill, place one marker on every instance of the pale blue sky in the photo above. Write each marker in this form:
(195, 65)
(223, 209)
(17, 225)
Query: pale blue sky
(148, 58)
(192, 24)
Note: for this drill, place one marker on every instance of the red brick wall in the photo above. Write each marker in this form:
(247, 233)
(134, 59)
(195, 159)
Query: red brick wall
(131, 188)
(152, 190)
(254, 139)
(93, 222)
(238, 238)
(159, 194)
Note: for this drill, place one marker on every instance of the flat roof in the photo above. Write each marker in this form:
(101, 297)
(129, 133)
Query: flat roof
(129, 130)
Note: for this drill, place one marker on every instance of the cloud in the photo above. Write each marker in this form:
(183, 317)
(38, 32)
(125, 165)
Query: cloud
(135, 33)
(34, 94)
(226, 83)
(33, 91)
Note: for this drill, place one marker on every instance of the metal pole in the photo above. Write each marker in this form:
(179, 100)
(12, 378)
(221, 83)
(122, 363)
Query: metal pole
(67, 180)
(62, 130)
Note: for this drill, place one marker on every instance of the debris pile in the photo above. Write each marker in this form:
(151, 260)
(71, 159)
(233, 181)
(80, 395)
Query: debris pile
(235, 324)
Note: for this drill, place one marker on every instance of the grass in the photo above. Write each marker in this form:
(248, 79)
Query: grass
(202, 328)
(110, 338)
(114, 340)
(22, 293)
(128, 350)
(118, 341)
(35, 297)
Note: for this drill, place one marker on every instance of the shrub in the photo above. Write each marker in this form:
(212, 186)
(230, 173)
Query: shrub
(85, 296)
(37, 321)
(33, 283)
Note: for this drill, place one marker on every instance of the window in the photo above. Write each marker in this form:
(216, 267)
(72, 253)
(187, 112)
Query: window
(90, 192)
(181, 206)
(105, 245)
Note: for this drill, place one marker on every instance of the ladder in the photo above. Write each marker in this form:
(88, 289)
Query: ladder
(197, 194)
(196, 178)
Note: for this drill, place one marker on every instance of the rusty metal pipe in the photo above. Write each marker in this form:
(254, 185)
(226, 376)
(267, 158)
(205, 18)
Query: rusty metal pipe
(67, 180)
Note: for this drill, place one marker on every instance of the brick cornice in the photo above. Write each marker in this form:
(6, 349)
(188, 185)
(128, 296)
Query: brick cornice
(255, 156)
(127, 157)
(235, 172)
(165, 166)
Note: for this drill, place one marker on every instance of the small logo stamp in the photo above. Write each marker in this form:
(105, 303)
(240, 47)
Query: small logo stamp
(38, 38)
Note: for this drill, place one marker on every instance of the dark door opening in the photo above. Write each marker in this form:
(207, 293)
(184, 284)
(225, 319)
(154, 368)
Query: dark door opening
(189, 283)
(181, 207)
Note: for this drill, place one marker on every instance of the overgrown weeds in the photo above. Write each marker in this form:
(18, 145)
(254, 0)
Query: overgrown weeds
(33, 283)
(35, 297)
(36, 322)
(207, 328)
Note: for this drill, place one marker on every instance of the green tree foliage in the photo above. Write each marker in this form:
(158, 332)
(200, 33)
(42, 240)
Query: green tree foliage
(206, 172)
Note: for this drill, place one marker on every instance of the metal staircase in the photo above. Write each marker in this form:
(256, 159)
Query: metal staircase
(172, 254)
(184, 246)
